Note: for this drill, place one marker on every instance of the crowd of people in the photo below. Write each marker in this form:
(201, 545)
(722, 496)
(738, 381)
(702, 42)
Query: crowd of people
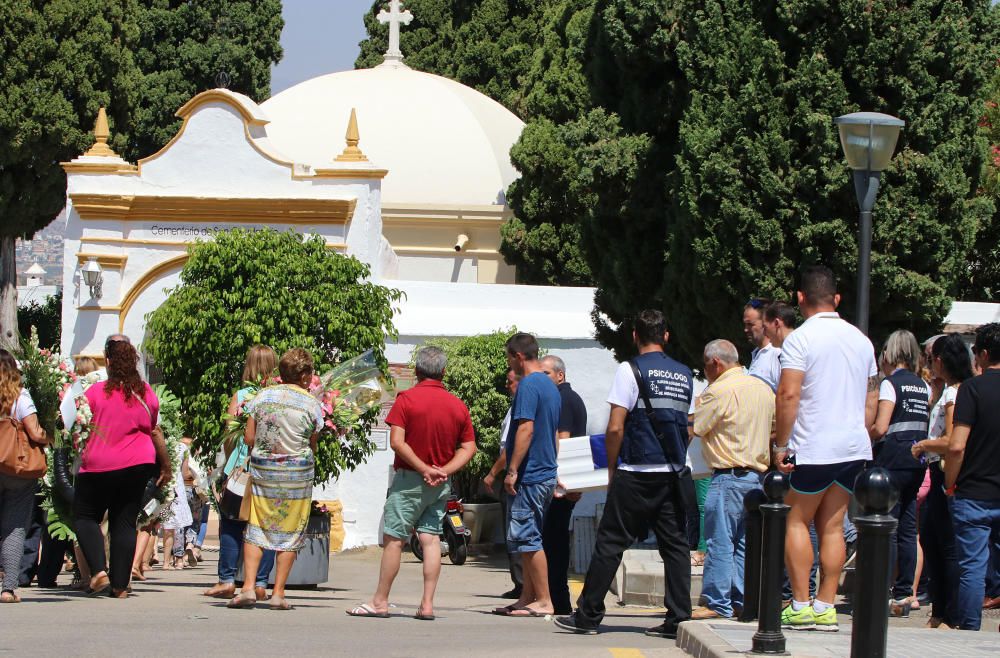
(816, 403)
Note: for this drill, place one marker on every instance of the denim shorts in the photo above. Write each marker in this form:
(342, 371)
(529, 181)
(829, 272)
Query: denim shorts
(817, 478)
(412, 503)
(527, 516)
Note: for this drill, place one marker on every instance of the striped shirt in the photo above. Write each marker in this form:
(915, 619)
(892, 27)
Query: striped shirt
(735, 419)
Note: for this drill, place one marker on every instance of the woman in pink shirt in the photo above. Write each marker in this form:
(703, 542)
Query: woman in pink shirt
(119, 459)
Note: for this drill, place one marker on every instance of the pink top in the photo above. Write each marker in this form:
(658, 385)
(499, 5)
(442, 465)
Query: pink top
(122, 434)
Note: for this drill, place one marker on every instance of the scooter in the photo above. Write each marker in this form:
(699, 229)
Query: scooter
(454, 535)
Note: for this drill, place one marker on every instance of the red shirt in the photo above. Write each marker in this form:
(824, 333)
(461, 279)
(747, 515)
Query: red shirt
(435, 422)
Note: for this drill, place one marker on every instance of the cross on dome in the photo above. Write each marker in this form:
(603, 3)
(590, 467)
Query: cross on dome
(394, 17)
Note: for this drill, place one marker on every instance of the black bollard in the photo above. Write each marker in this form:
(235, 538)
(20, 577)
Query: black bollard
(769, 639)
(751, 562)
(876, 495)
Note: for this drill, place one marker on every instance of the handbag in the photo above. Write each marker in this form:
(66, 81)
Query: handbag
(247, 499)
(20, 457)
(232, 491)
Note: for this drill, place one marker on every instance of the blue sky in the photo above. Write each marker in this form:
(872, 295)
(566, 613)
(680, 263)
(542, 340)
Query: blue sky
(320, 36)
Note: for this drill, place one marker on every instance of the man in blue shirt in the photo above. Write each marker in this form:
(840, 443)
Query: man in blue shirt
(649, 399)
(531, 472)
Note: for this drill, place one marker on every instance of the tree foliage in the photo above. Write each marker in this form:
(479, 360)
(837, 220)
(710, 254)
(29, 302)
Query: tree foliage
(477, 375)
(278, 289)
(142, 59)
(983, 283)
(45, 317)
(185, 47)
(682, 154)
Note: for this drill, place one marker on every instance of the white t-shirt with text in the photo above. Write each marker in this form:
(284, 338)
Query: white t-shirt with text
(838, 360)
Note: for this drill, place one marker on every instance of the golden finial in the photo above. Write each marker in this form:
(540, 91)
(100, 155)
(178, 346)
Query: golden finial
(352, 153)
(101, 135)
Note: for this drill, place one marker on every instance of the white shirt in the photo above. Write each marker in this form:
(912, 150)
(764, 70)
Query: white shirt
(838, 360)
(23, 406)
(625, 393)
(766, 365)
(504, 428)
(937, 422)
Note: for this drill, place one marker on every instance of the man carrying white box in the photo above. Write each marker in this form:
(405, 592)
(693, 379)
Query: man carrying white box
(650, 399)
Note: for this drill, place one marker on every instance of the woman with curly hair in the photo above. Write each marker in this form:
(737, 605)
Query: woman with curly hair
(117, 462)
(16, 494)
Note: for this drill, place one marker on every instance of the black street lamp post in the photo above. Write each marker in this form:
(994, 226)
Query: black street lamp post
(868, 140)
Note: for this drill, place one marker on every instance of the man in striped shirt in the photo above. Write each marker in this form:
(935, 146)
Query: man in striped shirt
(734, 417)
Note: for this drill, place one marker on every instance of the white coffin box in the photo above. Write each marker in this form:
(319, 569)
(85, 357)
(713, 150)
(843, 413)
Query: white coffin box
(576, 466)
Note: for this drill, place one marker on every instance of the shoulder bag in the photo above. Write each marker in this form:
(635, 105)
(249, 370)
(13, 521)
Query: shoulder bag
(20, 457)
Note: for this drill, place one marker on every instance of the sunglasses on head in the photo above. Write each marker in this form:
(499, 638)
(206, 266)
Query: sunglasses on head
(756, 304)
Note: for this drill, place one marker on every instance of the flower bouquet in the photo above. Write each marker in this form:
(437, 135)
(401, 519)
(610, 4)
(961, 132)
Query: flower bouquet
(47, 378)
(350, 394)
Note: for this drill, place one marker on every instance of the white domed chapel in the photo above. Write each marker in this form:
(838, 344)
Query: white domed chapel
(405, 170)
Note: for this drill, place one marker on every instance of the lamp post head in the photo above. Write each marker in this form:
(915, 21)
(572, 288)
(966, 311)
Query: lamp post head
(868, 139)
(93, 277)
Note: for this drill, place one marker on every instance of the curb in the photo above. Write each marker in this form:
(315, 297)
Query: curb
(699, 640)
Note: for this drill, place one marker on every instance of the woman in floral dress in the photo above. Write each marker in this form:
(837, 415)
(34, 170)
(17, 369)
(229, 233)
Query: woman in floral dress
(282, 427)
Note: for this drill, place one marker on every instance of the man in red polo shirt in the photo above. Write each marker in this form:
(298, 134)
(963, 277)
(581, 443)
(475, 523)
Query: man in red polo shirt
(432, 437)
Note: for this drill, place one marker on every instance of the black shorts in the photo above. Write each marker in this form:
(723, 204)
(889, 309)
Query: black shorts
(817, 478)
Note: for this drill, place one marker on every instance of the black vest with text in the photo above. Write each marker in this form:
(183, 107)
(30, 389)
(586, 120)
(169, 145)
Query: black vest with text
(668, 385)
(908, 424)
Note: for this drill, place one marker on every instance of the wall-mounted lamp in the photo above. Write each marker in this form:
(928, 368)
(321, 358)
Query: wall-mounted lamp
(461, 241)
(93, 276)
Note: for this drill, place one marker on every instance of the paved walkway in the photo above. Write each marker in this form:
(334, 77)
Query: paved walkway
(725, 638)
(167, 615)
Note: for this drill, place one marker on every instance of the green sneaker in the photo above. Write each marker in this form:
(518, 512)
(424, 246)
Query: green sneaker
(826, 620)
(801, 620)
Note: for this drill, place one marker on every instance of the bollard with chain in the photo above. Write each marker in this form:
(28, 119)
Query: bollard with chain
(752, 555)
(769, 639)
(876, 495)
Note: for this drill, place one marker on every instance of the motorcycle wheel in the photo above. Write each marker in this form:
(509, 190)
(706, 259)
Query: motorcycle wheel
(458, 549)
(418, 551)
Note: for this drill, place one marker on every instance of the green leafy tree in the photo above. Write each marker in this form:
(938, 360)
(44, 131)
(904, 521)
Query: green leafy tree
(983, 283)
(142, 59)
(278, 289)
(477, 375)
(761, 187)
(45, 317)
(188, 47)
(682, 154)
(62, 59)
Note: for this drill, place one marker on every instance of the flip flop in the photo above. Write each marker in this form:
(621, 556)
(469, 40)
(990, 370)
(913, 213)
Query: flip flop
(505, 610)
(10, 597)
(528, 612)
(243, 600)
(279, 604)
(423, 617)
(366, 610)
